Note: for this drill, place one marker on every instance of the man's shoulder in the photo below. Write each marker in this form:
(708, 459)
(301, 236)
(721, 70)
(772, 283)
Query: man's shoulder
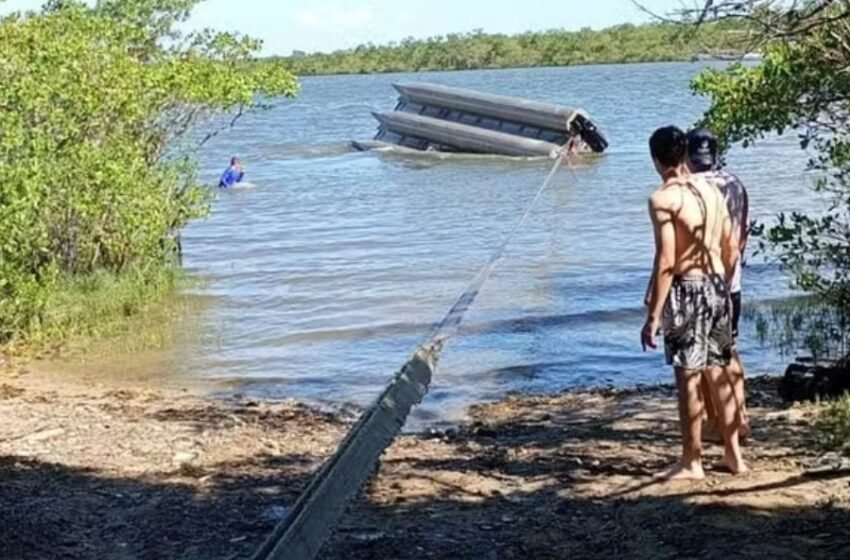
(735, 180)
(712, 176)
(664, 196)
(722, 178)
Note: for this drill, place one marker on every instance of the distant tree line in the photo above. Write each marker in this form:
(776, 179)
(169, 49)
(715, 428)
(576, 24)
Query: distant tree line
(464, 51)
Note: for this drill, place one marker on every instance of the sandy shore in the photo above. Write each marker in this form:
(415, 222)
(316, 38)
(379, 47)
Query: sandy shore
(131, 473)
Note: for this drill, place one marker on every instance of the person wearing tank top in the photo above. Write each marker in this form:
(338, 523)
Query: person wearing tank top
(696, 253)
(703, 162)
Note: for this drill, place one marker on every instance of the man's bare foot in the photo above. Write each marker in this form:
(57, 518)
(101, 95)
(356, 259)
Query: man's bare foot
(735, 464)
(680, 471)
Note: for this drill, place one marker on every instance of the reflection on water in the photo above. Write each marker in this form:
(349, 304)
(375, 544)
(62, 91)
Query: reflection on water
(323, 277)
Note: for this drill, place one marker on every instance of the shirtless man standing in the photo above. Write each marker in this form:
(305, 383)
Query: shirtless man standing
(695, 257)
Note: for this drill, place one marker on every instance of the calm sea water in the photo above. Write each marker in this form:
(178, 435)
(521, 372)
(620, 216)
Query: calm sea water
(324, 273)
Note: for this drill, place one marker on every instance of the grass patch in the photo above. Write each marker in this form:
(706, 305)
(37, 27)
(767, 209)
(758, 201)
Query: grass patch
(135, 308)
(833, 424)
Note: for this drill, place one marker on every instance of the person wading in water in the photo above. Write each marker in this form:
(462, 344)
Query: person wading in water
(232, 174)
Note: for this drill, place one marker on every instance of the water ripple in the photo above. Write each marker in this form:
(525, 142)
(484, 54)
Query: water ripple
(332, 267)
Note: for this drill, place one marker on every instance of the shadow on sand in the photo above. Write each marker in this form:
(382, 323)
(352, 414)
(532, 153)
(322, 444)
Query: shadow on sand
(532, 478)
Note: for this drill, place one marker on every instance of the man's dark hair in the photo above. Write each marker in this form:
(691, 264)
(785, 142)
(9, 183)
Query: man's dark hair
(669, 146)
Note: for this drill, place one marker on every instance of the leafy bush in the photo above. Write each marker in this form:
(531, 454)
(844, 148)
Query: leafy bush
(96, 101)
(801, 86)
(833, 424)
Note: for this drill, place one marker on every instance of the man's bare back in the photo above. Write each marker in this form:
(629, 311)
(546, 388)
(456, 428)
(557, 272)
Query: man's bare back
(701, 225)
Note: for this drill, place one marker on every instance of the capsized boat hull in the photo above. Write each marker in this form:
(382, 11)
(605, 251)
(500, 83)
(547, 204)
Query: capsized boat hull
(464, 138)
(459, 120)
(498, 107)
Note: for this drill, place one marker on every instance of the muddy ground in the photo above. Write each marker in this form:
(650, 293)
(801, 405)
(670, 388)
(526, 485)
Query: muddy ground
(97, 472)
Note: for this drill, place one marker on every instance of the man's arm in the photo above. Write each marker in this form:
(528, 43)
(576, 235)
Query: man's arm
(745, 220)
(729, 246)
(661, 212)
(649, 284)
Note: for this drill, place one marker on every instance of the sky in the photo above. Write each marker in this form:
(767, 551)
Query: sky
(326, 25)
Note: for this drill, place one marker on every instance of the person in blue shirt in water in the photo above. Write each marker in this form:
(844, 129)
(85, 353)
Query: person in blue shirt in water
(232, 174)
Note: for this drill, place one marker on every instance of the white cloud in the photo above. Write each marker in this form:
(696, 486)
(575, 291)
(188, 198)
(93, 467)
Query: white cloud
(335, 18)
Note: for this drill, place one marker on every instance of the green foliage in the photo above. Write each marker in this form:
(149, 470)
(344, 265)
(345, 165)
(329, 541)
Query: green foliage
(94, 105)
(801, 86)
(801, 322)
(463, 51)
(97, 305)
(833, 424)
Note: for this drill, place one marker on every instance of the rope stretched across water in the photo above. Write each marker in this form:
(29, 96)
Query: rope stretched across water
(306, 527)
(450, 323)
(446, 328)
